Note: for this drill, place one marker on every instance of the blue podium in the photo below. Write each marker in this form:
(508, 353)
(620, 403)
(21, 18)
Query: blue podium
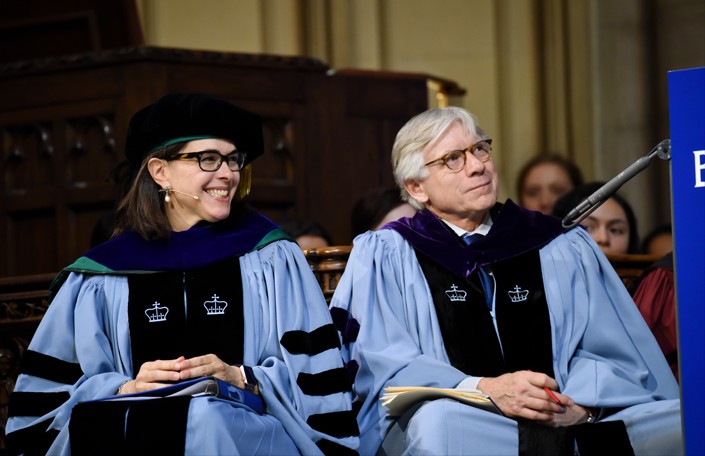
(687, 123)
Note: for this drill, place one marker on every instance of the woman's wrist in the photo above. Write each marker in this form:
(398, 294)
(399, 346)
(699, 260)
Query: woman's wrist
(249, 379)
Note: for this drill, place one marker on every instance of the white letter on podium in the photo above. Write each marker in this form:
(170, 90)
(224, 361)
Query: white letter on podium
(699, 168)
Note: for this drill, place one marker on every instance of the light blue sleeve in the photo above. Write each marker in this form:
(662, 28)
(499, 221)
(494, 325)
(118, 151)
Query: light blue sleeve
(282, 296)
(604, 353)
(86, 327)
(76, 332)
(399, 342)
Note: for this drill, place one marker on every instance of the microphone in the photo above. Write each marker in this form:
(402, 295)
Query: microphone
(582, 210)
(167, 191)
(187, 194)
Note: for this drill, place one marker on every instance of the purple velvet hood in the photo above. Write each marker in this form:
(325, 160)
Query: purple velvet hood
(514, 231)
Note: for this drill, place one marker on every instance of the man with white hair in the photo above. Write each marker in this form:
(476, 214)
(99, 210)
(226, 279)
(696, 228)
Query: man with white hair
(472, 293)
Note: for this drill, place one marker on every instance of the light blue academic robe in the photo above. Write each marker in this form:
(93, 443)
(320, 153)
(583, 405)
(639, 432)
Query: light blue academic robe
(87, 323)
(604, 355)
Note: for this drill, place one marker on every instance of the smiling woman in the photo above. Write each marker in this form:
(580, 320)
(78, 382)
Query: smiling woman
(190, 286)
(205, 187)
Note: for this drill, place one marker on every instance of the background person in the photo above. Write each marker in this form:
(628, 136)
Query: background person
(472, 293)
(377, 208)
(306, 232)
(612, 225)
(544, 179)
(191, 286)
(659, 241)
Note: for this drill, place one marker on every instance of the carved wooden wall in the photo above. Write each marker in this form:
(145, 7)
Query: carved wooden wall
(63, 120)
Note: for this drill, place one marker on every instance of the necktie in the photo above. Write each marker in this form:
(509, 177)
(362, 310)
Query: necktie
(485, 279)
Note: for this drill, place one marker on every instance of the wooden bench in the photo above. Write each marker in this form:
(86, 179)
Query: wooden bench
(24, 300)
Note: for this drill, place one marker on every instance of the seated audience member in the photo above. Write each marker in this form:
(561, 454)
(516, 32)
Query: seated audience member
(612, 225)
(474, 293)
(192, 285)
(659, 241)
(306, 232)
(655, 298)
(377, 208)
(544, 179)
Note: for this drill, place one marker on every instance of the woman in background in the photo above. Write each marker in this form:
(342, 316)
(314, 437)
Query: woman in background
(612, 225)
(544, 179)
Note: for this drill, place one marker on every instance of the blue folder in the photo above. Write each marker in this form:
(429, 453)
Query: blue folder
(202, 386)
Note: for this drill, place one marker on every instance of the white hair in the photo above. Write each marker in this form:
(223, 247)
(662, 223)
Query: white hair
(420, 133)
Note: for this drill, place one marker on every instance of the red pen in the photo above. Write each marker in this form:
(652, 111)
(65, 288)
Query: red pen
(553, 397)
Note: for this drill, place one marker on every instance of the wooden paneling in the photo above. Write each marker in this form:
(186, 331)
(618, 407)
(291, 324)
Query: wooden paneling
(45, 28)
(63, 120)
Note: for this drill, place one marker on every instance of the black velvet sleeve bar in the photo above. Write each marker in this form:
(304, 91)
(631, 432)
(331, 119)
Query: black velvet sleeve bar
(49, 368)
(311, 343)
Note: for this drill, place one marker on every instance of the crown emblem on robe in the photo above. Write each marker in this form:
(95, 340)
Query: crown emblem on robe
(215, 307)
(456, 294)
(518, 295)
(156, 312)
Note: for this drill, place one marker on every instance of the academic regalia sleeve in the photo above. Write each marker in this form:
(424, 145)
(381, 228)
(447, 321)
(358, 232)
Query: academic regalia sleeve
(399, 343)
(292, 344)
(70, 359)
(605, 356)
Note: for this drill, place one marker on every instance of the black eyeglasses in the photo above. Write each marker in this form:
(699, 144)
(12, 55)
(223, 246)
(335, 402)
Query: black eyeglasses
(455, 159)
(210, 160)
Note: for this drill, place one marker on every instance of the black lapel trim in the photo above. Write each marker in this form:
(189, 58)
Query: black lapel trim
(331, 448)
(156, 316)
(215, 322)
(464, 320)
(523, 320)
(335, 424)
(311, 343)
(163, 326)
(32, 440)
(324, 383)
(35, 404)
(537, 439)
(607, 437)
(130, 427)
(49, 368)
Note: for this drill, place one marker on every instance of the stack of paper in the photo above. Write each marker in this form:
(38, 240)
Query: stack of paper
(398, 399)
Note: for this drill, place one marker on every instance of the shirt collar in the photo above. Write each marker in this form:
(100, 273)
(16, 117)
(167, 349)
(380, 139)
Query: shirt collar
(482, 229)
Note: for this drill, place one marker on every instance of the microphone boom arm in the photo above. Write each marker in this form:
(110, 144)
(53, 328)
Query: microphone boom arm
(592, 202)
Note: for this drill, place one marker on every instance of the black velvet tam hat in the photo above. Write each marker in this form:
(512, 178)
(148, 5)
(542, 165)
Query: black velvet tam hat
(181, 117)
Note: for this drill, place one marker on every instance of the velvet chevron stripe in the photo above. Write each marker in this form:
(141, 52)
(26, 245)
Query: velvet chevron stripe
(340, 317)
(49, 368)
(335, 424)
(35, 404)
(324, 383)
(311, 343)
(348, 327)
